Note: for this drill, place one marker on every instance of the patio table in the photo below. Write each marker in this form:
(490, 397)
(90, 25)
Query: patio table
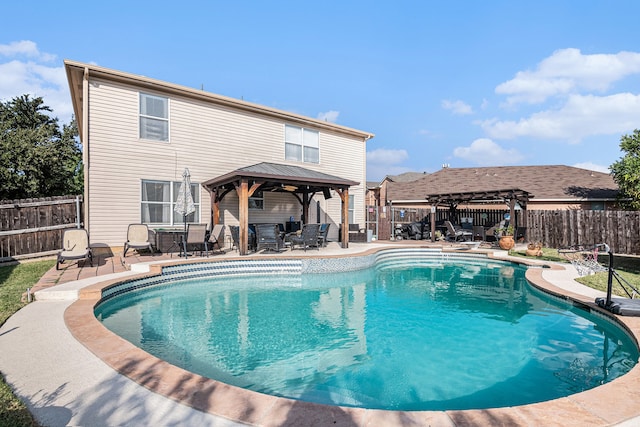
(168, 239)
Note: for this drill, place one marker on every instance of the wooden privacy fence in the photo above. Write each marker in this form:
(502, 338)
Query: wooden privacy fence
(570, 228)
(29, 226)
(554, 228)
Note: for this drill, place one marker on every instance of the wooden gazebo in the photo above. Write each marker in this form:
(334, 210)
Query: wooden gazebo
(300, 182)
(510, 196)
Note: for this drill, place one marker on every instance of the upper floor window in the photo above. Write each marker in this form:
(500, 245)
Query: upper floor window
(154, 117)
(301, 145)
(159, 199)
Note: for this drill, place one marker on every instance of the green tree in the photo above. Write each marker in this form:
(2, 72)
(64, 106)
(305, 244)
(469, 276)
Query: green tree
(37, 159)
(626, 171)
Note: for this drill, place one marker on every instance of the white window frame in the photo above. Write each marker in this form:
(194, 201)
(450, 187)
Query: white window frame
(150, 117)
(256, 201)
(301, 144)
(174, 219)
(352, 209)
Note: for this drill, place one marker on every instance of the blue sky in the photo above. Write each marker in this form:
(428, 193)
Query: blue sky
(463, 83)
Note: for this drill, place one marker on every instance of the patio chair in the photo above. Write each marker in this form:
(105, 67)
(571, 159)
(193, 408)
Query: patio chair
(235, 236)
(196, 236)
(216, 237)
(268, 237)
(307, 238)
(457, 234)
(75, 246)
(322, 234)
(137, 238)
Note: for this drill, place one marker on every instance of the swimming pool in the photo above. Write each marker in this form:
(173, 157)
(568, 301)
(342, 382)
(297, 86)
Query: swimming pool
(468, 331)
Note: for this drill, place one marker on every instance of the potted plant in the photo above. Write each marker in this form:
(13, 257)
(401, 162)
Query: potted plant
(506, 241)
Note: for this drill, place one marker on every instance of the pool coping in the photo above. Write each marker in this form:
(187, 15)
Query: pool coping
(603, 405)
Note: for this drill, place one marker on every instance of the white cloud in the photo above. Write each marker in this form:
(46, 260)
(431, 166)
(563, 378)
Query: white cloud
(25, 48)
(386, 156)
(382, 162)
(581, 116)
(457, 107)
(592, 167)
(35, 77)
(568, 71)
(329, 116)
(485, 152)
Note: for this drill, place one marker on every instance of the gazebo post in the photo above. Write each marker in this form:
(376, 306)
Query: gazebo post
(215, 207)
(243, 208)
(344, 230)
(305, 207)
(512, 213)
(432, 218)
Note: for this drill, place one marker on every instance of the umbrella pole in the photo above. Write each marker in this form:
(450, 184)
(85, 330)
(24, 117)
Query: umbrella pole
(184, 219)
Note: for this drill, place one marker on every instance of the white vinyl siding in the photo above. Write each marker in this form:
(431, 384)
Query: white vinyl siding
(154, 117)
(301, 145)
(211, 140)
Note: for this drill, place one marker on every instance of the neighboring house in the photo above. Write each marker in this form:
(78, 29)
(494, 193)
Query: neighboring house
(139, 134)
(378, 191)
(549, 187)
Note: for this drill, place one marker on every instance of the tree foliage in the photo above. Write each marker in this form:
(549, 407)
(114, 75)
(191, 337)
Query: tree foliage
(626, 171)
(37, 159)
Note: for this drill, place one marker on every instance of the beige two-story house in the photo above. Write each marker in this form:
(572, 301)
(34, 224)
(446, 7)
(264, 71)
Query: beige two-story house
(139, 134)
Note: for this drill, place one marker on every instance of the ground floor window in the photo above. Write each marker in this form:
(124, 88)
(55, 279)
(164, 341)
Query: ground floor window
(352, 209)
(158, 201)
(256, 201)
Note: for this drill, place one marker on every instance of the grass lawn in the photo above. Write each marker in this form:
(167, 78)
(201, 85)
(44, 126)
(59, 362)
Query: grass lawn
(14, 281)
(627, 266)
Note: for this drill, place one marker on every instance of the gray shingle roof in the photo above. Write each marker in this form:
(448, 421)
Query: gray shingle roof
(406, 177)
(555, 182)
(274, 172)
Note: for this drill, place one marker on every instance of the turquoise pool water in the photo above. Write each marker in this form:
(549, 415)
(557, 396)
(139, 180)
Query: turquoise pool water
(399, 336)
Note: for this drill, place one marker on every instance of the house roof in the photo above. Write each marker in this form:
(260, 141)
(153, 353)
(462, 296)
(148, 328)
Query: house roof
(276, 175)
(405, 177)
(77, 71)
(544, 183)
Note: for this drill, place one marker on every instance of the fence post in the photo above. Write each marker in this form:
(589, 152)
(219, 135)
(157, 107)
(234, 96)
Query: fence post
(78, 212)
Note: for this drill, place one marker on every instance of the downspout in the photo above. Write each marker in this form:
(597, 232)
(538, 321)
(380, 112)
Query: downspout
(393, 228)
(85, 146)
(364, 187)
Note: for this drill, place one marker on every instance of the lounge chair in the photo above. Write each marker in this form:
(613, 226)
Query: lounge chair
(307, 238)
(75, 246)
(137, 238)
(268, 237)
(322, 234)
(416, 231)
(196, 236)
(457, 234)
(216, 237)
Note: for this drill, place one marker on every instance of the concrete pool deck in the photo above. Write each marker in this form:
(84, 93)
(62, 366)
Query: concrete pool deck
(106, 381)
